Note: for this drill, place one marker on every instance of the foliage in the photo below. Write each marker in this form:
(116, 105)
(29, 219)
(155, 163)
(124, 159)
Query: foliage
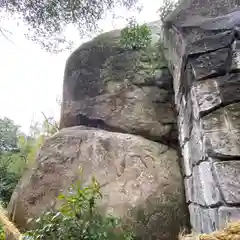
(48, 19)
(78, 218)
(2, 233)
(18, 151)
(13, 163)
(8, 134)
(8, 158)
(8, 178)
(135, 36)
(29, 145)
(167, 7)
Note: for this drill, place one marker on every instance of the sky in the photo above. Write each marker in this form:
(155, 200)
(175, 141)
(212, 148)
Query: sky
(31, 79)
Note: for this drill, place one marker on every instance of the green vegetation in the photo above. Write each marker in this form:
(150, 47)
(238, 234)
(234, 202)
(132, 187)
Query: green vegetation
(2, 234)
(166, 8)
(47, 20)
(135, 36)
(10, 158)
(8, 135)
(148, 57)
(9, 179)
(18, 151)
(78, 218)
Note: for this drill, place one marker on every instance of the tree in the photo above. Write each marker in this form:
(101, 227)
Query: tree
(8, 135)
(12, 162)
(167, 7)
(47, 19)
(9, 158)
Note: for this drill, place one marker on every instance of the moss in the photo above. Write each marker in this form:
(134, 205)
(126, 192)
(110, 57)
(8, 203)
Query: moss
(136, 66)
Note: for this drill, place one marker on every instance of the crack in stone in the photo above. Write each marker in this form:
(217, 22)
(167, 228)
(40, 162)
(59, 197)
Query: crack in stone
(101, 124)
(221, 105)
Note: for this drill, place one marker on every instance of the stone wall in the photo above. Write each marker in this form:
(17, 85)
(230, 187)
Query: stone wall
(203, 49)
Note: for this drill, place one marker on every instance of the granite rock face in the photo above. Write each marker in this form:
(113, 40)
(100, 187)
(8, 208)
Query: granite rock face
(118, 122)
(108, 87)
(140, 179)
(202, 38)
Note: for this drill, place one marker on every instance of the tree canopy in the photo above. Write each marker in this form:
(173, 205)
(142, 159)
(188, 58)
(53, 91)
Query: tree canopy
(8, 135)
(47, 19)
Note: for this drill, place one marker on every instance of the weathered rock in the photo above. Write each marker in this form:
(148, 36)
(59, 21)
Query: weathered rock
(195, 217)
(210, 43)
(202, 42)
(228, 177)
(208, 64)
(215, 121)
(209, 220)
(140, 179)
(187, 160)
(235, 66)
(205, 97)
(202, 219)
(205, 191)
(223, 144)
(228, 214)
(118, 90)
(213, 92)
(188, 182)
(185, 120)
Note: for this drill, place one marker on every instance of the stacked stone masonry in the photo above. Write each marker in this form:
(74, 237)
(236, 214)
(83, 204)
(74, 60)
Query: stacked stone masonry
(205, 60)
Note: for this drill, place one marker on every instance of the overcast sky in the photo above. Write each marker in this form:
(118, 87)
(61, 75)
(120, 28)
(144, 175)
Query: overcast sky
(31, 79)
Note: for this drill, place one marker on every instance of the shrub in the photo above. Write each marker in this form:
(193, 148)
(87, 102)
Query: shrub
(2, 233)
(8, 178)
(78, 218)
(135, 36)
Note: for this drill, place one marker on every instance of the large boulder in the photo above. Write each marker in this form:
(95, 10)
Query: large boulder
(140, 179)
(123, 91)
(118, 123)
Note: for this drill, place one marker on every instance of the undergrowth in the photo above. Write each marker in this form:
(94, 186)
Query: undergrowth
(79, 219)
